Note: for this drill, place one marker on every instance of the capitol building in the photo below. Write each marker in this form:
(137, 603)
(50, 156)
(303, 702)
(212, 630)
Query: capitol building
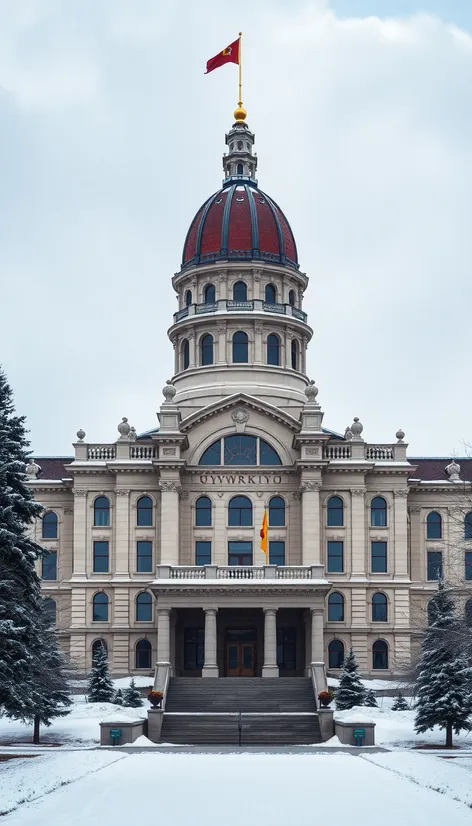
(154, 538)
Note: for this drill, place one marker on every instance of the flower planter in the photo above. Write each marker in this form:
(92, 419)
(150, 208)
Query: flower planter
(155, 698)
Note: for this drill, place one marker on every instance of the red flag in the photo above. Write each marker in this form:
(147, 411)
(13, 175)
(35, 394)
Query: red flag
(228, 55)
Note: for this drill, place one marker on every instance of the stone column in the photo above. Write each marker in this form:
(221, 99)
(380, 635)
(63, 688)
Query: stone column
(80, 533)
(210, 668)
(317, 639)
(358, 539)
(221, 349)
(163, 636)
(258, 344)
(311, 550)
(121, 533)
(270, 668)
(288, 348)
(192, 355)
(170, 521)
(399, 565)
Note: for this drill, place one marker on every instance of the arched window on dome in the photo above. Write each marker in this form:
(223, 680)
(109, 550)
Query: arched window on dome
(240, 169)
(185, 354)
(291, 298)
(209, 294)
(335, 654)
(240, 145)
(270, 294)
(273, 349)
(188, 298)
(206, 349)
(240, 348)
(295, 354)
(240, 291)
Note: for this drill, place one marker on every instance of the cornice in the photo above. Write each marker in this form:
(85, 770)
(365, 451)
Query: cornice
(246, 400)
(231, 588)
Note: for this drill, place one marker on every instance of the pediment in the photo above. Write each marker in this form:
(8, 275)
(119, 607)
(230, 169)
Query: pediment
(242, 401)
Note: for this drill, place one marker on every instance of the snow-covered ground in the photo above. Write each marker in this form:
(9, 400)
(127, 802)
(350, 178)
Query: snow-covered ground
(268, 790)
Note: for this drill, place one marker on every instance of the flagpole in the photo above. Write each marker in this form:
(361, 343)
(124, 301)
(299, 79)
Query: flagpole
(240, 101)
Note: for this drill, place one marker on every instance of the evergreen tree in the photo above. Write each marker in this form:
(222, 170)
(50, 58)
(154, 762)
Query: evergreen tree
(351, 692)
(20, 600)
(400, 704)
(444, 696)
(370, 699)
(131, 696)
(118, 698)
(100, 687)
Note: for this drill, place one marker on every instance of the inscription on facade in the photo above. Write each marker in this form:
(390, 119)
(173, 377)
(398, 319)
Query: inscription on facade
(241, 478)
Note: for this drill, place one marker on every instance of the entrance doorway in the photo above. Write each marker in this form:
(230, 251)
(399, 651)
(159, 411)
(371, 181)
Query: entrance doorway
(240, 650)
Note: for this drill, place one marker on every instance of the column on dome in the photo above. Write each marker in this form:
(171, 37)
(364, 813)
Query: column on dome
(170, 521)
(288, 348)
(310, 496)
(223, 283)
(80, 532)
(400, 567)
(210, 667)
(192, 361)
(257, 284)
(122, 532)
(221, 349)
(258, 344)
(270, 667)
(358, 538)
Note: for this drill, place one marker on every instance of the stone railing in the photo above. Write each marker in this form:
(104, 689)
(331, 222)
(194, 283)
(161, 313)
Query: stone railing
(116, 450)
(338, 451)
(240, 572)
(138, 451)
(380, 452)
(100, 452)
(229, 306)
(359, 451)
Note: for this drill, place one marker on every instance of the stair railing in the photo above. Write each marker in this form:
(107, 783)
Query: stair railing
(318, 680)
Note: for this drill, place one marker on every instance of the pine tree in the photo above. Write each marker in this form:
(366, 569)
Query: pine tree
(131, 696)
(118, 698)
(20, 600)
(370, 699)
(400, 704)
(50, 691)
(444, 696)
(100, 686)
(351, 692)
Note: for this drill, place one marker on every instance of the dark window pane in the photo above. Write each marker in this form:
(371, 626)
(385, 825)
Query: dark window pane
(335, 557)
(287, 649)
(203, 511)
(468, 526)
(101, 508)
(270, 294)
(49, 526)
(240, 450)
(144, 556)
(144, 511)
(468, 565)
(336, 607)
(435, 571)
(240, 170)
(212, 455)
(335, 654)
(378, 512)
(209, 294)
(49, 566)
(240, 348)
(433, 526)
(294, 353)
(185, 355)
(100, 608)
(240, 511)
(335, 512)
(291, 298)
(380, 655)
(268, 456)
(240, 291)
(144, 607)
(379, 608)
(379, 557)
(194, 648)
(276, 512)
(143, 654)
(100, 557)
(239, 553)
(206, 350)
(202, 553)
(188, 298)
(273, 349)
(276, 553)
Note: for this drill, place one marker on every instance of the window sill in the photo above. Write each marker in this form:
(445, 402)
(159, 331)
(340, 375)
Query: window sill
(101, 527)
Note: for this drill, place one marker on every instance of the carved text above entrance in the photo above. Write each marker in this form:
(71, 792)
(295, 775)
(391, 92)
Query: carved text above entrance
(241, 478)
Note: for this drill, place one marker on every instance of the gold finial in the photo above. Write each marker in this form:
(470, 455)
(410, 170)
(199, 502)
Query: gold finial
(240, 113)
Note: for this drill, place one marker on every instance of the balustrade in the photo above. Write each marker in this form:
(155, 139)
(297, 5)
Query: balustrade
(228, 305)
(101, 452)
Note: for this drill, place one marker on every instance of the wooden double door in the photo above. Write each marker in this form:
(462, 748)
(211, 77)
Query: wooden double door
(240, 653)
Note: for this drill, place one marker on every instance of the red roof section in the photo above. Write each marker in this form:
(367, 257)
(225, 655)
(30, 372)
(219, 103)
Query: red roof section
(240, 231)
(433, 470)
(53, 467)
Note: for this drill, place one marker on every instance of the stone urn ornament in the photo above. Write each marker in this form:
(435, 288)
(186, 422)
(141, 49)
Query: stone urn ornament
(326, 697)
(155, 698)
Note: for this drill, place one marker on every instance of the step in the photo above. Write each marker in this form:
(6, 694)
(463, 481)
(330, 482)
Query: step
(234, 694)
(244, 729)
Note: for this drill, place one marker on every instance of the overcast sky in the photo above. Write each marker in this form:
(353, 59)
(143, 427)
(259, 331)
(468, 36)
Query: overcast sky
(111, 137)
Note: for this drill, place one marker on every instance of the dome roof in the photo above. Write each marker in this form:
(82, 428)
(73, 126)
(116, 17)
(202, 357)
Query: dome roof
(240, 223)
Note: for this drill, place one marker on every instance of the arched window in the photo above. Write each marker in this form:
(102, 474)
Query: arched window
(49, 526)
(268, 455)
(240, 348)
(291, 298)
(378, 512)
(273, 349)
(468, 525)
(185, 354)
(143, 654)
(335, 654)
(379, 608)
(276, 512)
(101, 511)
(241, 449)
(270, 294)
(240, 511)
(336, 607)
(100, 607)
(335, 515)
(188, 298)
(144, 512)
(97, 647)
(240, 145)
(432, 611)
(295, 354)
(144, 607)
(240, 170)
(240, 291)
(203, 511)
(209, 294)
(50, 611)
(206, 349)
(468, 613)
(212, 455)
(379, 655)
(433, 525)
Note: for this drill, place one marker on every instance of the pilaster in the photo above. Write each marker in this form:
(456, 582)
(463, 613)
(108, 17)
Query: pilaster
(80, 532)
(401, 534)
(170, 520)
(358, 537)
(210, 668)
(122, 532)
(270, 667)
(310, 493)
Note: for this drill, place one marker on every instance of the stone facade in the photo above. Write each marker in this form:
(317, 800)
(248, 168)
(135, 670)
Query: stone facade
(161, 575)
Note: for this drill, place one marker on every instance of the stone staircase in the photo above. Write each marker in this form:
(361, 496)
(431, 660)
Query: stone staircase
(240, 711)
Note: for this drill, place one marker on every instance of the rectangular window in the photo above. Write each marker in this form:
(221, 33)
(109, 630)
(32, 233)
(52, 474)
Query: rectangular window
(194, 648)
(335, 557)
(435, 570)
(144, 556)
(49, 566)
(468, 565)
(100, 557)
(378, 557)
(239, 553)
(276, 553)
(202, 553)
(287, 649)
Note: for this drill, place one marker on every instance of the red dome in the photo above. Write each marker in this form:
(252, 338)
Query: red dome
(240, 223)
